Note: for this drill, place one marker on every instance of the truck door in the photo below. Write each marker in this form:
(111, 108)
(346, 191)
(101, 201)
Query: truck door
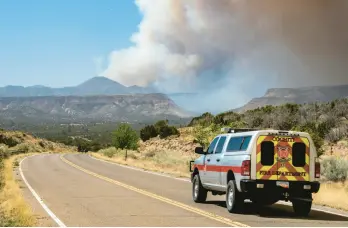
(208, 167)
(216, 161)
(283, 158)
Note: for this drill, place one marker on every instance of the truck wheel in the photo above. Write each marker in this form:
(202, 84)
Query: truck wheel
(234, 200)
(199, 193)
(301, 208)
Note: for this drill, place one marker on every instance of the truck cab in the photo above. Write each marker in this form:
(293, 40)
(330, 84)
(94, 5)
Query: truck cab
(264, 166)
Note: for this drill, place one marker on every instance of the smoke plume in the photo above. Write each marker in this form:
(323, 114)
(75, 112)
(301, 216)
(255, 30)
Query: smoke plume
(232, 50)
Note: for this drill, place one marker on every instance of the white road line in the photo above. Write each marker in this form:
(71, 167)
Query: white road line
(142, 170)
(188, 180)
(49, 212)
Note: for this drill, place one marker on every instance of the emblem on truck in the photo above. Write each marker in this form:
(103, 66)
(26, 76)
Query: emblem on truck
(283, 154)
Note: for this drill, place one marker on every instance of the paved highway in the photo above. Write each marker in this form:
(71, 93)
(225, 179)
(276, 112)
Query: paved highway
(82, 191)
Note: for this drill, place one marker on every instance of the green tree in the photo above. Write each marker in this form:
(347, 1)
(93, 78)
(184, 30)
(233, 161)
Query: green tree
(124, 137)
(201, 135)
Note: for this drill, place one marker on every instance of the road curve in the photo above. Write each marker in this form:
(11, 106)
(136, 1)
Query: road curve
(82, 191)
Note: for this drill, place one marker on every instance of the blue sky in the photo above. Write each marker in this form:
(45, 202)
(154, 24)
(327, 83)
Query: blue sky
(55, 42)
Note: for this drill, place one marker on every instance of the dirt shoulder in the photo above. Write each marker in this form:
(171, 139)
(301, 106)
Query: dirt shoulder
(14, 210)
(42, 219)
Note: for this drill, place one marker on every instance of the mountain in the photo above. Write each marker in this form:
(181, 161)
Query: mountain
(100, 86)
(94, 86)
(279, 96)
(131, 108)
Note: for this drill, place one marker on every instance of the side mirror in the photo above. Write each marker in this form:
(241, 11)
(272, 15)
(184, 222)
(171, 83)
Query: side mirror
(199, 150)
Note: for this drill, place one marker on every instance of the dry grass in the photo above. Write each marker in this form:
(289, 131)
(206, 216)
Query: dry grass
(334, 195)
(13, 209)
(171, 155)
(164, 161)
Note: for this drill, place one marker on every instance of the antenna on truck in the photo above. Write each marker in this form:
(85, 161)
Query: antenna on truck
(236, 130)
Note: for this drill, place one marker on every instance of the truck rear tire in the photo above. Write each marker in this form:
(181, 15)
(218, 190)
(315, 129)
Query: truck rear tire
(234, 200)
(302, 208)
(199, 193)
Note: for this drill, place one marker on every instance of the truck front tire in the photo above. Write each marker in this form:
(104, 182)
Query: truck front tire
(234, 200)
(199, 193)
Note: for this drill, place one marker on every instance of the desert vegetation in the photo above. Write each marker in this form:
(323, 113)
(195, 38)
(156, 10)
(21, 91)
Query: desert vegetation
(13, 146)
(326, 122)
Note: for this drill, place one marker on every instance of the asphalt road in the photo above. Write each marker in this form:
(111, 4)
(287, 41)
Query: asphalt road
(82, 191)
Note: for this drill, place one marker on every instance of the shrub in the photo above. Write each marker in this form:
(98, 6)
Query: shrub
(160, 128)
(336, 134)
(148, 132)
(125, 137)
(160, 124)
(15, 163)
(205, 119)
(21, 148)
(9, 141)
(167, 131)
(335, 169)
(4, 153)
(109, 152)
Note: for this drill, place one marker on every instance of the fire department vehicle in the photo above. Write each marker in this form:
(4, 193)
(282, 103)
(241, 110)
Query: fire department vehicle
(264, 166)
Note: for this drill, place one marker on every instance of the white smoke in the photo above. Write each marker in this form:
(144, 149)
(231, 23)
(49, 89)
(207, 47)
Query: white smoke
(234, 49)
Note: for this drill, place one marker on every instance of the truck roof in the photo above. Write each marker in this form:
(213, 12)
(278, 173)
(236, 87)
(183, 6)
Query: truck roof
(252, 132)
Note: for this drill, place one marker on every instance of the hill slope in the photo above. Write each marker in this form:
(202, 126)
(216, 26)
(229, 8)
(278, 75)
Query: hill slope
(279, 96)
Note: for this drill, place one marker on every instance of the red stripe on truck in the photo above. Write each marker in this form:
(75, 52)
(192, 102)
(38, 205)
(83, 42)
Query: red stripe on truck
(215, 168)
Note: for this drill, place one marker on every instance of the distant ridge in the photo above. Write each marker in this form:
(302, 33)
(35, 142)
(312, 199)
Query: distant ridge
(94, 86)
(279, 96)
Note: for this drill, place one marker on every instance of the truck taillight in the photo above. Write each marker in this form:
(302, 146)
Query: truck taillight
(246, 168)
(317, 170)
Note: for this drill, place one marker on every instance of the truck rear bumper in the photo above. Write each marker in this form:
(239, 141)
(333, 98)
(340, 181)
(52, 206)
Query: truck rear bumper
(249, 186)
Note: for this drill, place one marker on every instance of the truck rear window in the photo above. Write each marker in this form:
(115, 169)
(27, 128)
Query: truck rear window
(245, 143)
(267, 153)
(299, 154)
(239, 143)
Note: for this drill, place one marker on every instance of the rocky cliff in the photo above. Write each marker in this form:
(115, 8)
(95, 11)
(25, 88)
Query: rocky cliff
(279, 96)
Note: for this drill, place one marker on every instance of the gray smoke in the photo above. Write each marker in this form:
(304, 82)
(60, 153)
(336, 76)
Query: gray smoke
(232, 50)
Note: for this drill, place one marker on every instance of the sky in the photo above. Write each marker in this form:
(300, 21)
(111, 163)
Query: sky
(226, 50)
(61, 42)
